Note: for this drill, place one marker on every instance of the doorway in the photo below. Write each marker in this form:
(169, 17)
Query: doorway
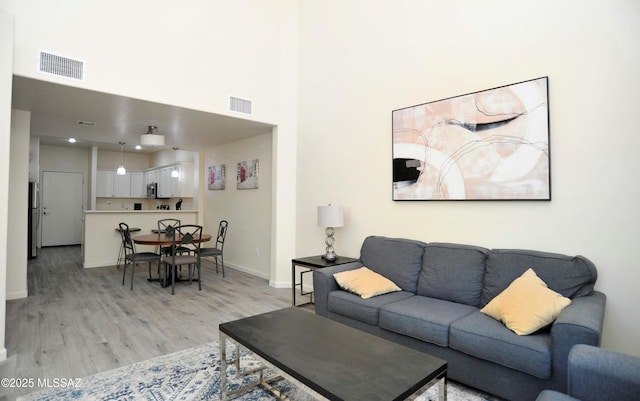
(62, 208)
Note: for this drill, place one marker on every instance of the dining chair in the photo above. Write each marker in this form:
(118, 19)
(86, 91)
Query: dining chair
(217, 252)
(187, 236)
(166, 226)
(133, 258)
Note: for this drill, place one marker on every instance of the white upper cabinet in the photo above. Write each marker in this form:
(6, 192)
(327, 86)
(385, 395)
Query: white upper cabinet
(134, 183)
(138, 185)
(104, 183)
(170, 186)
(111, 185)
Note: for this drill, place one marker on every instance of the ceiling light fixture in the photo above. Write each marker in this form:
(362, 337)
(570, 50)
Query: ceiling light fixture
(151, 137)
(121, 170)
(71, 140)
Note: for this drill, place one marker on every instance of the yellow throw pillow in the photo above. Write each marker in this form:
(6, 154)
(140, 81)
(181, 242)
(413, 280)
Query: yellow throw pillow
(526, 305)
(365, 282)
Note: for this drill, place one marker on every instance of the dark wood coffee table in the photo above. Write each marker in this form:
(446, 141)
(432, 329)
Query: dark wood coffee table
(332, 360)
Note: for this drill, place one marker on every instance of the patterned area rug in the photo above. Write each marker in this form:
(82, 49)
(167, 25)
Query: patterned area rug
(194, 374)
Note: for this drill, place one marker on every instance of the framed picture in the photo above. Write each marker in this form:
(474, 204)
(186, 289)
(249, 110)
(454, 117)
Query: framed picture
(487, 145)
(247, 175)
(216, 177)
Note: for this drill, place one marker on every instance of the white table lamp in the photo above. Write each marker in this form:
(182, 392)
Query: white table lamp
(330, 217)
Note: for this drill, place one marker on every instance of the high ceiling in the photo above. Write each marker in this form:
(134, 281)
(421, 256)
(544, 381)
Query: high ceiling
(57, 109)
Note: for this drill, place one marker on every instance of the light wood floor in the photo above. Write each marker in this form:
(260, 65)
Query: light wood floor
(77, 322)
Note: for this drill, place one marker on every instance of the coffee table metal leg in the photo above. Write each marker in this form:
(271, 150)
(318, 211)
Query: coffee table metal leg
(223, 367)
(442, 389)
(441, 381)
(261, 381)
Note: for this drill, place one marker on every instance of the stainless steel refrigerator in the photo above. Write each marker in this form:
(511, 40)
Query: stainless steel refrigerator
(34, 219)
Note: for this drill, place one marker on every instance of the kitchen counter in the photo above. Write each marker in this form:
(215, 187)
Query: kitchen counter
(102, 241)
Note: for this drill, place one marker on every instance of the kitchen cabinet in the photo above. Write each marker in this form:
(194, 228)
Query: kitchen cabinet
(138, 185)
(181, 186)
(104, 183)
(165, 183)
(122, 185)
(111, 185)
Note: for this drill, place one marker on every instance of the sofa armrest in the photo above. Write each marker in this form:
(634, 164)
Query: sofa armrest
(597, 374)
(324, 283)
(579, 323)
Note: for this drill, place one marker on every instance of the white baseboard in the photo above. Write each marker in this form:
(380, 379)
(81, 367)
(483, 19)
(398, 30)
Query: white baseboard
(279, 284)
(17, 295)
(256, 273)
(104, 263)
(244, 269)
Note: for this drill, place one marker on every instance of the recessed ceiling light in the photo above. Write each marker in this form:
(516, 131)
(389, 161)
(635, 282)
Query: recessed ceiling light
(72, 140)
(138, 147)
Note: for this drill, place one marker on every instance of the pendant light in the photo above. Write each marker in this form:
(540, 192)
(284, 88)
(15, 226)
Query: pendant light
(121, 170)
(175, 173)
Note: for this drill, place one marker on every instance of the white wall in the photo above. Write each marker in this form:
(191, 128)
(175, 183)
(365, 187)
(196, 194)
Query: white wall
(6, 60)
(248, 211)
(18, 204)
(191, 53)
(132, 161)
(354, 70)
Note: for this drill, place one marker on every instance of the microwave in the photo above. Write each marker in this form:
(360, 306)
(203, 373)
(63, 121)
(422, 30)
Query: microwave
(152, 190)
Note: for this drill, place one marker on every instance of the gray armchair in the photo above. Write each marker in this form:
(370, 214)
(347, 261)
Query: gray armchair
(597, 374)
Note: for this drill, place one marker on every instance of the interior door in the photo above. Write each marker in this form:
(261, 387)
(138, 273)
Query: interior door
(61, 208)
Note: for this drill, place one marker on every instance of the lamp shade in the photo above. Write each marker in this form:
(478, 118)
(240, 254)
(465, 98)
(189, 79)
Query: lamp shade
(151, 137)
(330, 216)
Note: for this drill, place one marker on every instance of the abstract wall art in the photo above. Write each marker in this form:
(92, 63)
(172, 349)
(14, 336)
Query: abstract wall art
(487, 145)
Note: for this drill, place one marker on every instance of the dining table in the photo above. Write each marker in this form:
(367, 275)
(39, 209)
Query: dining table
(164, 239)
(161, 239)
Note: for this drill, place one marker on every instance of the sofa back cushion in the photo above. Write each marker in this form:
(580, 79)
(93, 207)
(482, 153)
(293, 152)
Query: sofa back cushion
(452, 272)
(398, 259)
(571, 276)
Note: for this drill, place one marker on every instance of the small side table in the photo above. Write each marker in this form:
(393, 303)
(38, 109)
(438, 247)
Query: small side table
(310, 264)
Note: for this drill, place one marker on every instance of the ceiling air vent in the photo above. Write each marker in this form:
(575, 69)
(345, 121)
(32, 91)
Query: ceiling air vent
(61, 66)
(240, 105)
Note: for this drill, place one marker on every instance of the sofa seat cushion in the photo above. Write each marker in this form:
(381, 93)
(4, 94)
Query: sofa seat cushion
(365, 310)
(427, 319)
(452, 272)
(486, 338)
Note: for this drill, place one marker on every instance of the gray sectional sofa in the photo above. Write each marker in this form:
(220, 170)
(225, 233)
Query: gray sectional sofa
(444, 286)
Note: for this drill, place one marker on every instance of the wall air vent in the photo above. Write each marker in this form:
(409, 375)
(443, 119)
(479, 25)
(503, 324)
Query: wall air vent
(240, 105)
(54, 64)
